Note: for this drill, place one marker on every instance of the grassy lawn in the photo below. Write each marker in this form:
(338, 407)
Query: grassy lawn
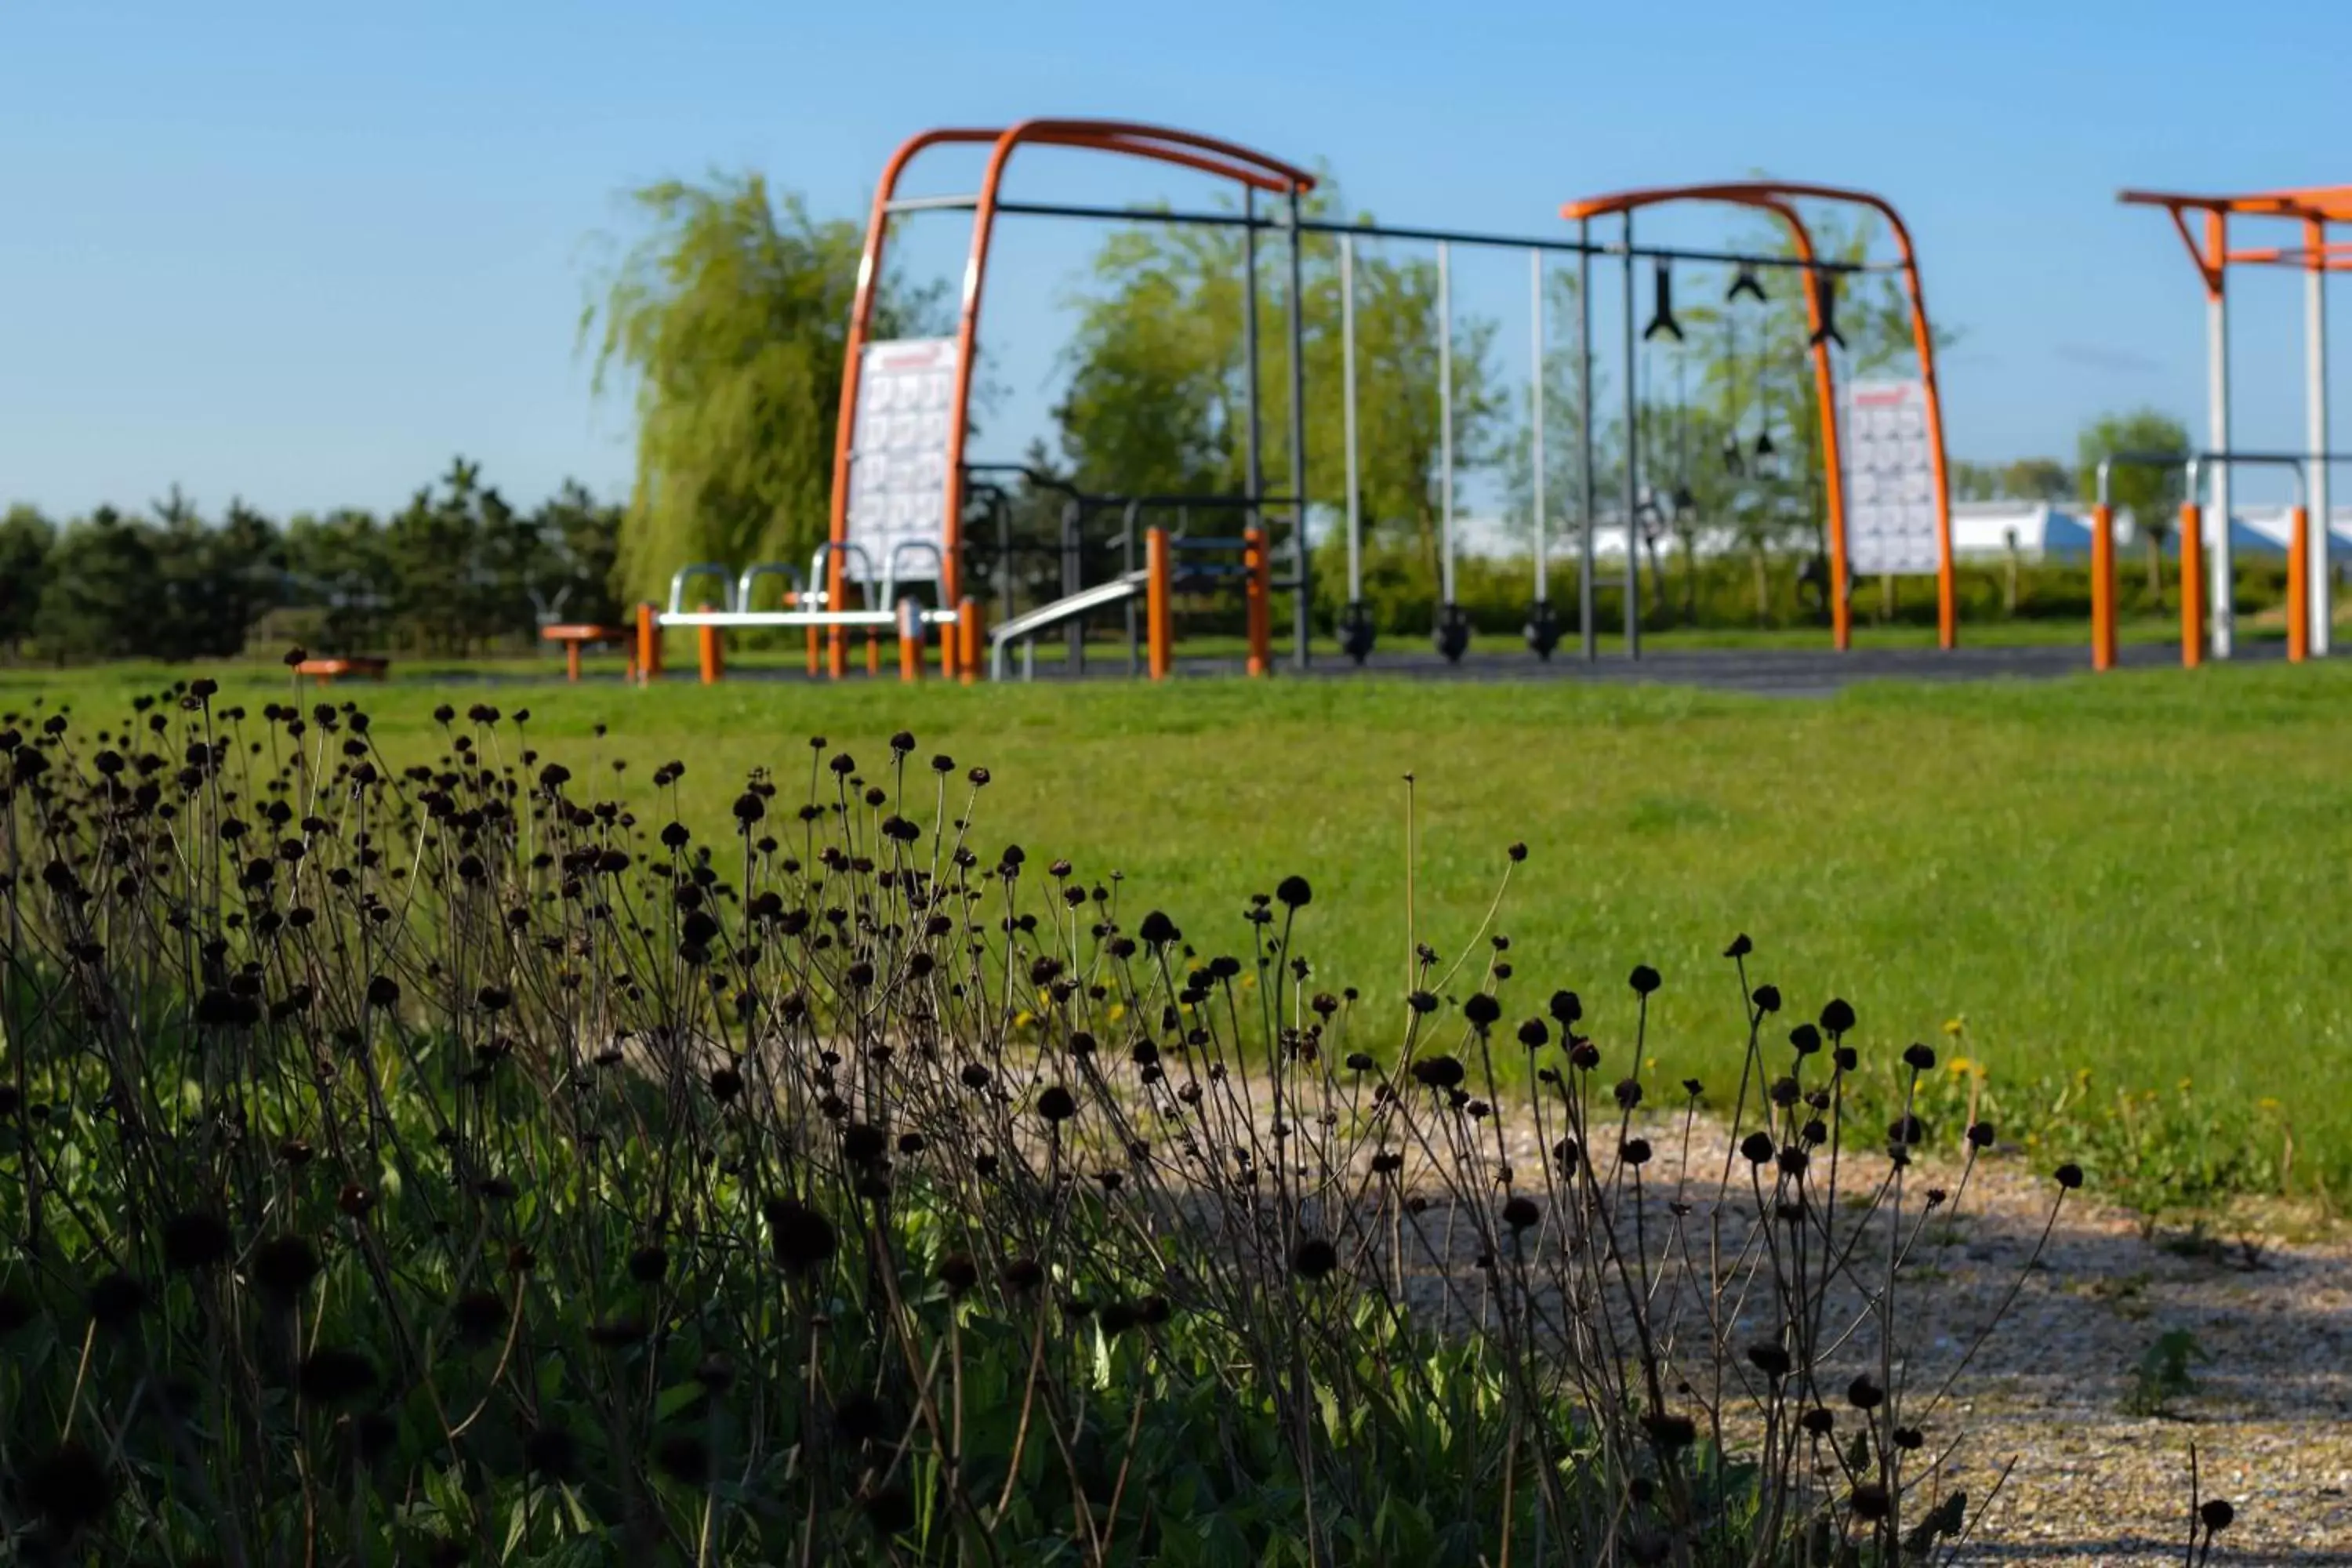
(2142, 876)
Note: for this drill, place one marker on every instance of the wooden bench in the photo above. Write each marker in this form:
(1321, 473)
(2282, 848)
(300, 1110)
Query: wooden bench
(327, 670)
(574, 638)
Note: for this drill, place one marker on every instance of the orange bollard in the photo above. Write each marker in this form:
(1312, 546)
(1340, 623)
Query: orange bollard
(971, 635)
(714, 658)
(1159, 614)
(873, 651)
(649, 648)
(2102, 586)
(2192, 585)
(1255, 590)
(911, 641)
(2298, 586)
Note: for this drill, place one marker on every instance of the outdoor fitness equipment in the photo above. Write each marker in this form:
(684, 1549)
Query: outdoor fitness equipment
(1779, 198)
(902, 476)
(2310, 612)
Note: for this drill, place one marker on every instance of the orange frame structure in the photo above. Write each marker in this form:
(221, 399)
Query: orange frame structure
(1779, 198)
(2316, 209)
(1253, 170)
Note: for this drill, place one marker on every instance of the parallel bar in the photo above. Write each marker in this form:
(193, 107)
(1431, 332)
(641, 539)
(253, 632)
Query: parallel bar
(1587, 628)
(1535, 420)
(1348, 415)
(746, 619)
(1444, 432)
(1297, 362)
(933, 203)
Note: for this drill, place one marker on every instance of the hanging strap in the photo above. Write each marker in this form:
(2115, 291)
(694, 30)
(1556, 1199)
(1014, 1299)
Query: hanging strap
(1825, 302)
(1662, 315)
(1747, 283)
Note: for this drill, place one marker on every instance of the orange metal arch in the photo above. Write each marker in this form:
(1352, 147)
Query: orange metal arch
(1185, 149)
(1775, 196)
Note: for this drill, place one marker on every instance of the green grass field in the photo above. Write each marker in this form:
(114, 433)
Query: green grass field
(2142, 876)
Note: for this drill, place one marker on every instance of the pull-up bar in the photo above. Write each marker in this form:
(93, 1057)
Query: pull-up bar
(2316, 209)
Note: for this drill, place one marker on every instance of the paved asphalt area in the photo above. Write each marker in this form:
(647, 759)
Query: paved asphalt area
(1762, 672)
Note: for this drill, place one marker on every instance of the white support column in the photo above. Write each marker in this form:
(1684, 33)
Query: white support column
(2322, 593)
(2220, 587)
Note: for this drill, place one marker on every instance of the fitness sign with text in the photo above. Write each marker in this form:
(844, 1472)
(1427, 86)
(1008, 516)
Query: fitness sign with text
(898, 459)
(1890, 480)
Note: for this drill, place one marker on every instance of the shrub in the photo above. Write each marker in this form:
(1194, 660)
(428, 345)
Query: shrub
(453, 1157)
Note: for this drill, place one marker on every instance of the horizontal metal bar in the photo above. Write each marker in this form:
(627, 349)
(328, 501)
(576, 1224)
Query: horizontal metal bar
(1434, 236)
(931, 204)
(748, 618)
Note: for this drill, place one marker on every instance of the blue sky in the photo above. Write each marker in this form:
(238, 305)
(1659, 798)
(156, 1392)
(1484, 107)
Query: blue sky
(306, 252)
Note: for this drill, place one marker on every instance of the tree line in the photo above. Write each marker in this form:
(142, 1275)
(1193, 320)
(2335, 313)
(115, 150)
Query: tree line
(459, 570)
(722, 317)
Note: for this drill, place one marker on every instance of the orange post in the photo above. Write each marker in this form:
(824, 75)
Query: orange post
(815, 661)
(1159, 615)
(951, 647)
(911, 641)
(2102, 586)
(971, 635)
(2192, 585)
(873, 651)
(649, 648)
(2298, 585)
(1255, 591)
(714, 658)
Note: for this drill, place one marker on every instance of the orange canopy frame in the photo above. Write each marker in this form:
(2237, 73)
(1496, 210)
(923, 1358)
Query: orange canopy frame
(1779, 198)
(1253, 170)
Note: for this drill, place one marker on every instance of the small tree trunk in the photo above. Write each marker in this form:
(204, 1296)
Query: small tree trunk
(2155, 566)
(1690, 579)
(1762, 581)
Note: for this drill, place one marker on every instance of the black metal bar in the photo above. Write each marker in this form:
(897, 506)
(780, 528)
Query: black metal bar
(1298, 438)
(1586, 626)
(1452, 237)
(1255, 479)
(1632, 464)
(1074, 633)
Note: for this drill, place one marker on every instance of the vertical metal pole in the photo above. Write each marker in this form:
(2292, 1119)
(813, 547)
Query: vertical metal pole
(2319, 613)
(1536, 419)
(1255, 479)
(1587, 629)
(1348, 413)
(1633, 465)
(1444, 432)
(2220, 582)
(1299, 595)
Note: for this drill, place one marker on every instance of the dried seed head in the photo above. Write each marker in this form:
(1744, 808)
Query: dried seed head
(283, 1265)
(2070, 1176)
(1521, 1212)
(2216, 1514)
(801, 1238)
(1292, 892)
(1837, 1016)
(1315, 1259)
(1056, 1104)
(194, 1240)
(1643, 980)
(1770, 1359)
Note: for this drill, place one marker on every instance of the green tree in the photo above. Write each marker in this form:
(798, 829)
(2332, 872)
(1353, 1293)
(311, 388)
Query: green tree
(101, 593)
(25, 539)
(2152, 494)
(340, 565)
(728, 316)
(577, 545)
(2038, 479)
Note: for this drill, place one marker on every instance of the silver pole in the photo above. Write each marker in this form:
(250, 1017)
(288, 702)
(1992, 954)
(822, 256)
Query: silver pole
(2320, 612)
(1586, 630)
(1444, 429)
(1348, 413)
(2221, 586)
(1299, 592)
(1632, 465)
(1536, 419)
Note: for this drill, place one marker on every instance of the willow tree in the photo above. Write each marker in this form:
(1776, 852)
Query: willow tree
(728, 316)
